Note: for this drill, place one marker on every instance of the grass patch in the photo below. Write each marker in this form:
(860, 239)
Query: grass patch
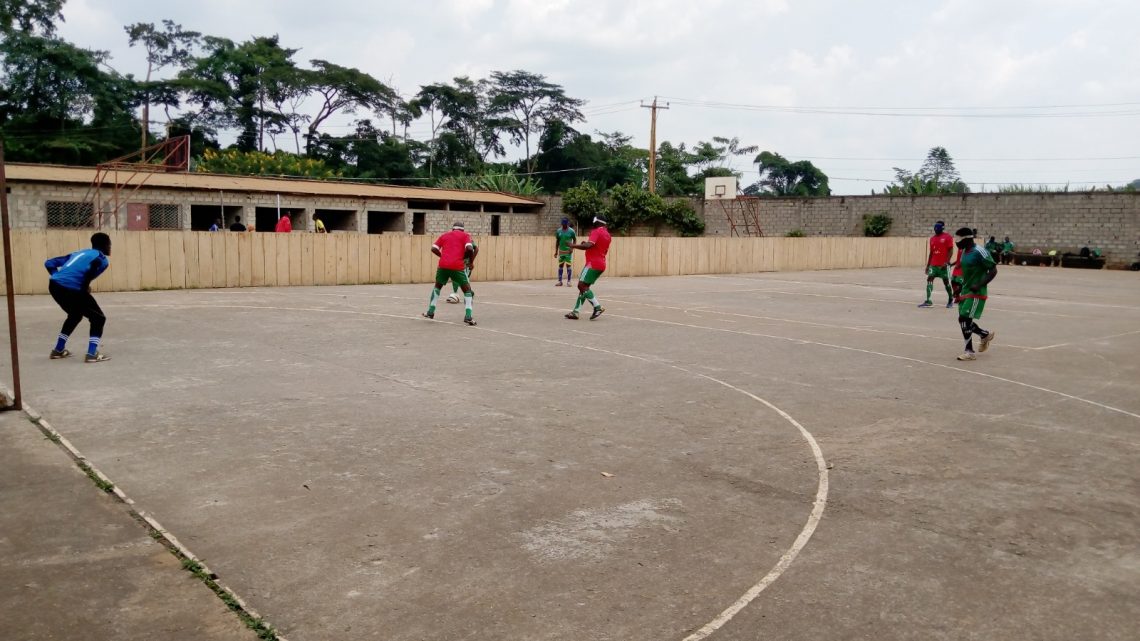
(106, 486)
(257, 624)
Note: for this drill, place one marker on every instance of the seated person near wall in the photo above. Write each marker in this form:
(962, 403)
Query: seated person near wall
(993, 248)
(237, 226)
(1007, 251)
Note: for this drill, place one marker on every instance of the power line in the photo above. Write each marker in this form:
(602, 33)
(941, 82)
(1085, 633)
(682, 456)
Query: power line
(973, 108)
(901, 112)
(1101, 158)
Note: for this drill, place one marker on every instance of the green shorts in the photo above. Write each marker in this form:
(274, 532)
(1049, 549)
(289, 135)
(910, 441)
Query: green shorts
(590, 276)
(971, 307)
(942, 272)
(566, 259)
(457, 276)
(956, 285)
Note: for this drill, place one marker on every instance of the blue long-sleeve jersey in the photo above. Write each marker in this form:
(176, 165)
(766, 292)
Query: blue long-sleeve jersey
(77, 270)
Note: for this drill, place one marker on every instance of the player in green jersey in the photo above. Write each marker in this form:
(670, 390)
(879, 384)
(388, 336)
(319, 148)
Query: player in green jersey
(564, 239)
(978, 269)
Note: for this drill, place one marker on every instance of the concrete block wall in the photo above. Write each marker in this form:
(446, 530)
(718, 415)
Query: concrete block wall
(1062, 221)
(479, 223)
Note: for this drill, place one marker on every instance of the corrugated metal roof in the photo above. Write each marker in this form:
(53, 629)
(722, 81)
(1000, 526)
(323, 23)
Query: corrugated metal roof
(218, 182)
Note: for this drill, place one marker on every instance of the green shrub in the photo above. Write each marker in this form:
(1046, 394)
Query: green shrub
(505, 181)
(630, 205)
(683, 218)
(876, 225)
(795, 233)
(583, 203)
(256, 163)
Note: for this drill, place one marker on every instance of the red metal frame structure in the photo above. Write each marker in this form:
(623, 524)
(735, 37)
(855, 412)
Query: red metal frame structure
(116, 179)
(743, 215)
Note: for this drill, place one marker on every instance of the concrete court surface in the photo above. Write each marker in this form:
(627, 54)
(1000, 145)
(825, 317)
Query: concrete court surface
(75, 565)
(355, 471)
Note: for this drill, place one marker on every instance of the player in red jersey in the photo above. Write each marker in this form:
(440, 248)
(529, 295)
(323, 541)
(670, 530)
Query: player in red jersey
(452, 247)
(938, 263)
(596, 249)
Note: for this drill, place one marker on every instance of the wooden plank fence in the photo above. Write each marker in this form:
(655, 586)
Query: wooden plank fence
(192, 260)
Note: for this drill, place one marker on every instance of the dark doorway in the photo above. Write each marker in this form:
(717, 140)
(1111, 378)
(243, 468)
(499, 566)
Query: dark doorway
(419, 223)
(202, 216)
(336, 219)
(495, 225)
(266, 217)
(386, 222)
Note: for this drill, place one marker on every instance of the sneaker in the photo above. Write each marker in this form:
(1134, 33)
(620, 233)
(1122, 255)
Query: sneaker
(597, 312)
(968, 356)
(97, 357)
(927, 304)
(986, 340)
(572, 316)
(949, 304)
(470, 321)
(62, 354)
(558, 284)
(428, 315)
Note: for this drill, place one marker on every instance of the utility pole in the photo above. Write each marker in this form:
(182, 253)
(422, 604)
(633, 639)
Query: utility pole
(653, 143)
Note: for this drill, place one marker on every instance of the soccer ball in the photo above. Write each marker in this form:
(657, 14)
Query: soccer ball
(453, 297)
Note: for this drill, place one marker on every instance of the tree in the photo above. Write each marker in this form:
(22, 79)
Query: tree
(673, 164)
(440, 102)
(936, 176)
(476, 124)
(567, 157)
(30, 16)
(527, 103)
(58, 105)
(367, 153)
(344, 90)
(781, 177)
(164, 47)
(237, 85)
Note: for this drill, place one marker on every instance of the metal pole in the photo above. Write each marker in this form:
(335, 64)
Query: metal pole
(10, 293)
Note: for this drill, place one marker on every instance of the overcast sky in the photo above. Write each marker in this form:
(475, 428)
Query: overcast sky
(942, 69)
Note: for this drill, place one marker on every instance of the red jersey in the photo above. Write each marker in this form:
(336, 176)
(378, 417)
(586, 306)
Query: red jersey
(284, 225)
(596, 255)
(941, 246)
(957, 271)
(452, 246)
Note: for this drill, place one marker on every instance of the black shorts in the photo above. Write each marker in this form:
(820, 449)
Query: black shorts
(75, 302)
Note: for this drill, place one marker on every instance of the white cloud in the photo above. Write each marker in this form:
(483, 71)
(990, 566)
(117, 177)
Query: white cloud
(946, 53)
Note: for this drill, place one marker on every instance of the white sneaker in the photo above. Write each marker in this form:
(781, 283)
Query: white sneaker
(986, 340)
(968, 356)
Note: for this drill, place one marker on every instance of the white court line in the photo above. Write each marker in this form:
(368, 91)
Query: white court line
(1009, 297)
(578, 331)
(819, 504)
(1090, 340)
(705, 310)
(801, 341)
(821, 493)
(896, 356)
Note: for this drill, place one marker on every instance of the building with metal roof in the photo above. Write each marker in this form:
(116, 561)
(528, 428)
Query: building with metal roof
(49, 196)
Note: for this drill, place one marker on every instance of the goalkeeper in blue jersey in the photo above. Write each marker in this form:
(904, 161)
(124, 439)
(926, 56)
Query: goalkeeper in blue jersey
(70, 287)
